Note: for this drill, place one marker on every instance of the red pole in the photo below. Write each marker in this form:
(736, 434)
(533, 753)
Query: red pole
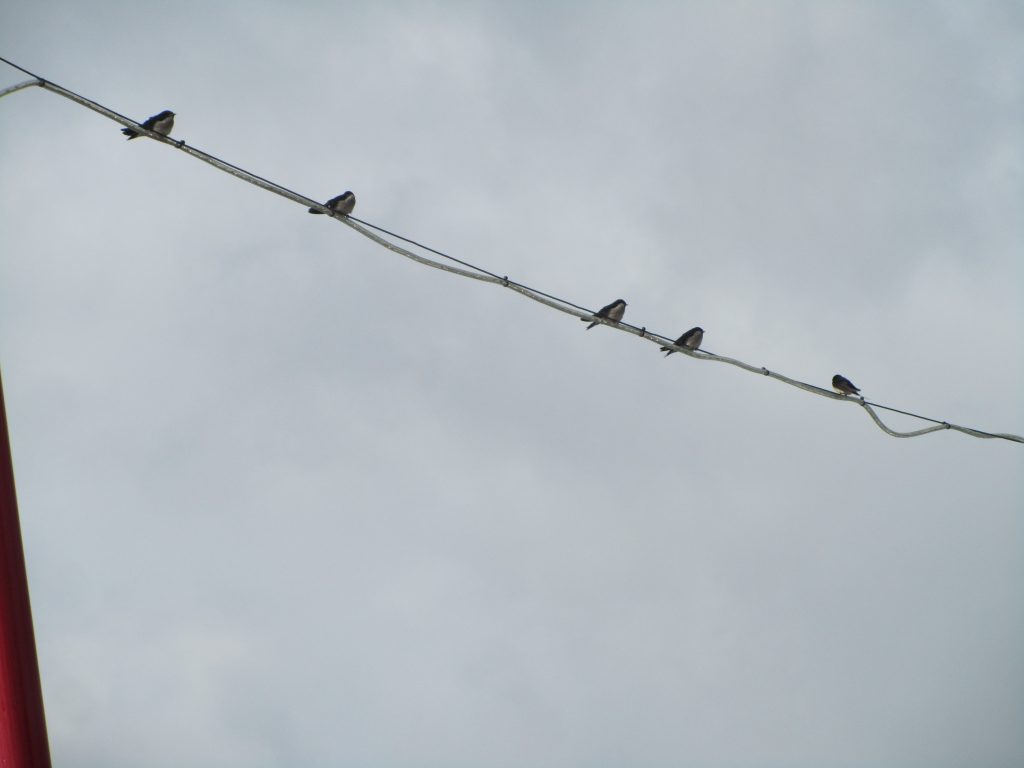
(23, 742)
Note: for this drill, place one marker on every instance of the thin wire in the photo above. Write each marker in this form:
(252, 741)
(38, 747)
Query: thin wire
(11, 63)
(18, 87)
(467, 264)
(479, 273)
(425, 247)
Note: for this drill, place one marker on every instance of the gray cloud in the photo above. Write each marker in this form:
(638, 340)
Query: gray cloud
(288, 498)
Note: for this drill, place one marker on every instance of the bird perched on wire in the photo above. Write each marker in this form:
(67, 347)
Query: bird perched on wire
(161, 123)
(344, 203)
(690, 340)
(613, 313)
(844, 385)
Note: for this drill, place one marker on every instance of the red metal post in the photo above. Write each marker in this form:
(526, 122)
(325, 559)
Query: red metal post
(23, 742)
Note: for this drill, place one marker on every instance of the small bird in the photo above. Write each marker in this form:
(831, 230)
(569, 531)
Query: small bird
(844, 385)
(343, 203)
(161, 123)
(612, 312)
(691, 340)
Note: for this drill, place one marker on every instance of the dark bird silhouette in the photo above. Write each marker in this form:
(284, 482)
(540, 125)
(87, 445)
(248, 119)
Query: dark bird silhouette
(613, 313)
(844, 385)
(691, 340)
(161, 123)
(344, 203)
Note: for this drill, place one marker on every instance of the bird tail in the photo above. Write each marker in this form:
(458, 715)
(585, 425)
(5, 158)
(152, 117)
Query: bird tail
(130, 133)
(584, 319)
(667, 351)
(314, 210)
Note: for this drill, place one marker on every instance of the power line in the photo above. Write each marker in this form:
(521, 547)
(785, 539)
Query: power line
(472, 271)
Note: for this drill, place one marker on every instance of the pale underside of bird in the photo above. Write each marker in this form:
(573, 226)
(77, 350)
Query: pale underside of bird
(690, 340)
(161, 123)
(344, 204)
(612, 312)
(844, 385)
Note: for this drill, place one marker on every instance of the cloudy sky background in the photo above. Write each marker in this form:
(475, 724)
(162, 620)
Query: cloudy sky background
(289, 499)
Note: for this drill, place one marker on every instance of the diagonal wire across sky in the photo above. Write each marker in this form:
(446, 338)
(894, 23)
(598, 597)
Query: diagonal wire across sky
(472, 271)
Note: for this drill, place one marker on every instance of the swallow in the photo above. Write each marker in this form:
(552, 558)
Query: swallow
(844, 385)
(690, 340)
(343, 203)
(161, 123)
(613, 312)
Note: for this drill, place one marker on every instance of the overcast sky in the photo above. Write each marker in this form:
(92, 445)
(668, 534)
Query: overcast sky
(289, 499)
